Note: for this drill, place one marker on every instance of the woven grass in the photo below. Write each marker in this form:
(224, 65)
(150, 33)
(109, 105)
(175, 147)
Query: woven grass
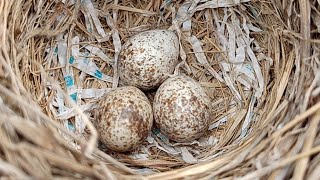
(263, 127)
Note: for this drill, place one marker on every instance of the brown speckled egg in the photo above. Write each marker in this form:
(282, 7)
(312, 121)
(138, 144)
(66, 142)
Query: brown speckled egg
(124, 118)
(147, 58)
(181, 109)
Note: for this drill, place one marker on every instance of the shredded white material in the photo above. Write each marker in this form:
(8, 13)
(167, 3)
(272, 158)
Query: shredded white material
(239, 63)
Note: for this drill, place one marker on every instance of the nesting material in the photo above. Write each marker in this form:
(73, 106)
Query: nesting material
(258, 61)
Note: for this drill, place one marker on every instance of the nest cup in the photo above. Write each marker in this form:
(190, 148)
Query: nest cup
(257, 60)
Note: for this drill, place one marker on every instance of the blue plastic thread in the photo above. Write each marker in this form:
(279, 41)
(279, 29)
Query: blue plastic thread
(71, 126)
(71, 60)
(69, 81)
(249, 67)
(161, 136)
(98, 74)
(74, 96)
(56, 50)
(156, 131)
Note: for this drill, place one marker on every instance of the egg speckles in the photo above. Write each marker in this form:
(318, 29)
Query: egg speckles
(147, 58)
(124, 118)
(181, 109)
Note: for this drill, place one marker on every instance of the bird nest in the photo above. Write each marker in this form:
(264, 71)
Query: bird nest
(257, 60)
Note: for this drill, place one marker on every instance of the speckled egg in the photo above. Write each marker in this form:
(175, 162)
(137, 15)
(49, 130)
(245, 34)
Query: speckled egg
(124, 118)
(147, 58)
(181, 109)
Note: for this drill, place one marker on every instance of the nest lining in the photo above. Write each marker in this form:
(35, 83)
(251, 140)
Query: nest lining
(264, 106)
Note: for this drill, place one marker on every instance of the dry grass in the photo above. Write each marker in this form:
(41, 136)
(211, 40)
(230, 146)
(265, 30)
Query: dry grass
(266, 117)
